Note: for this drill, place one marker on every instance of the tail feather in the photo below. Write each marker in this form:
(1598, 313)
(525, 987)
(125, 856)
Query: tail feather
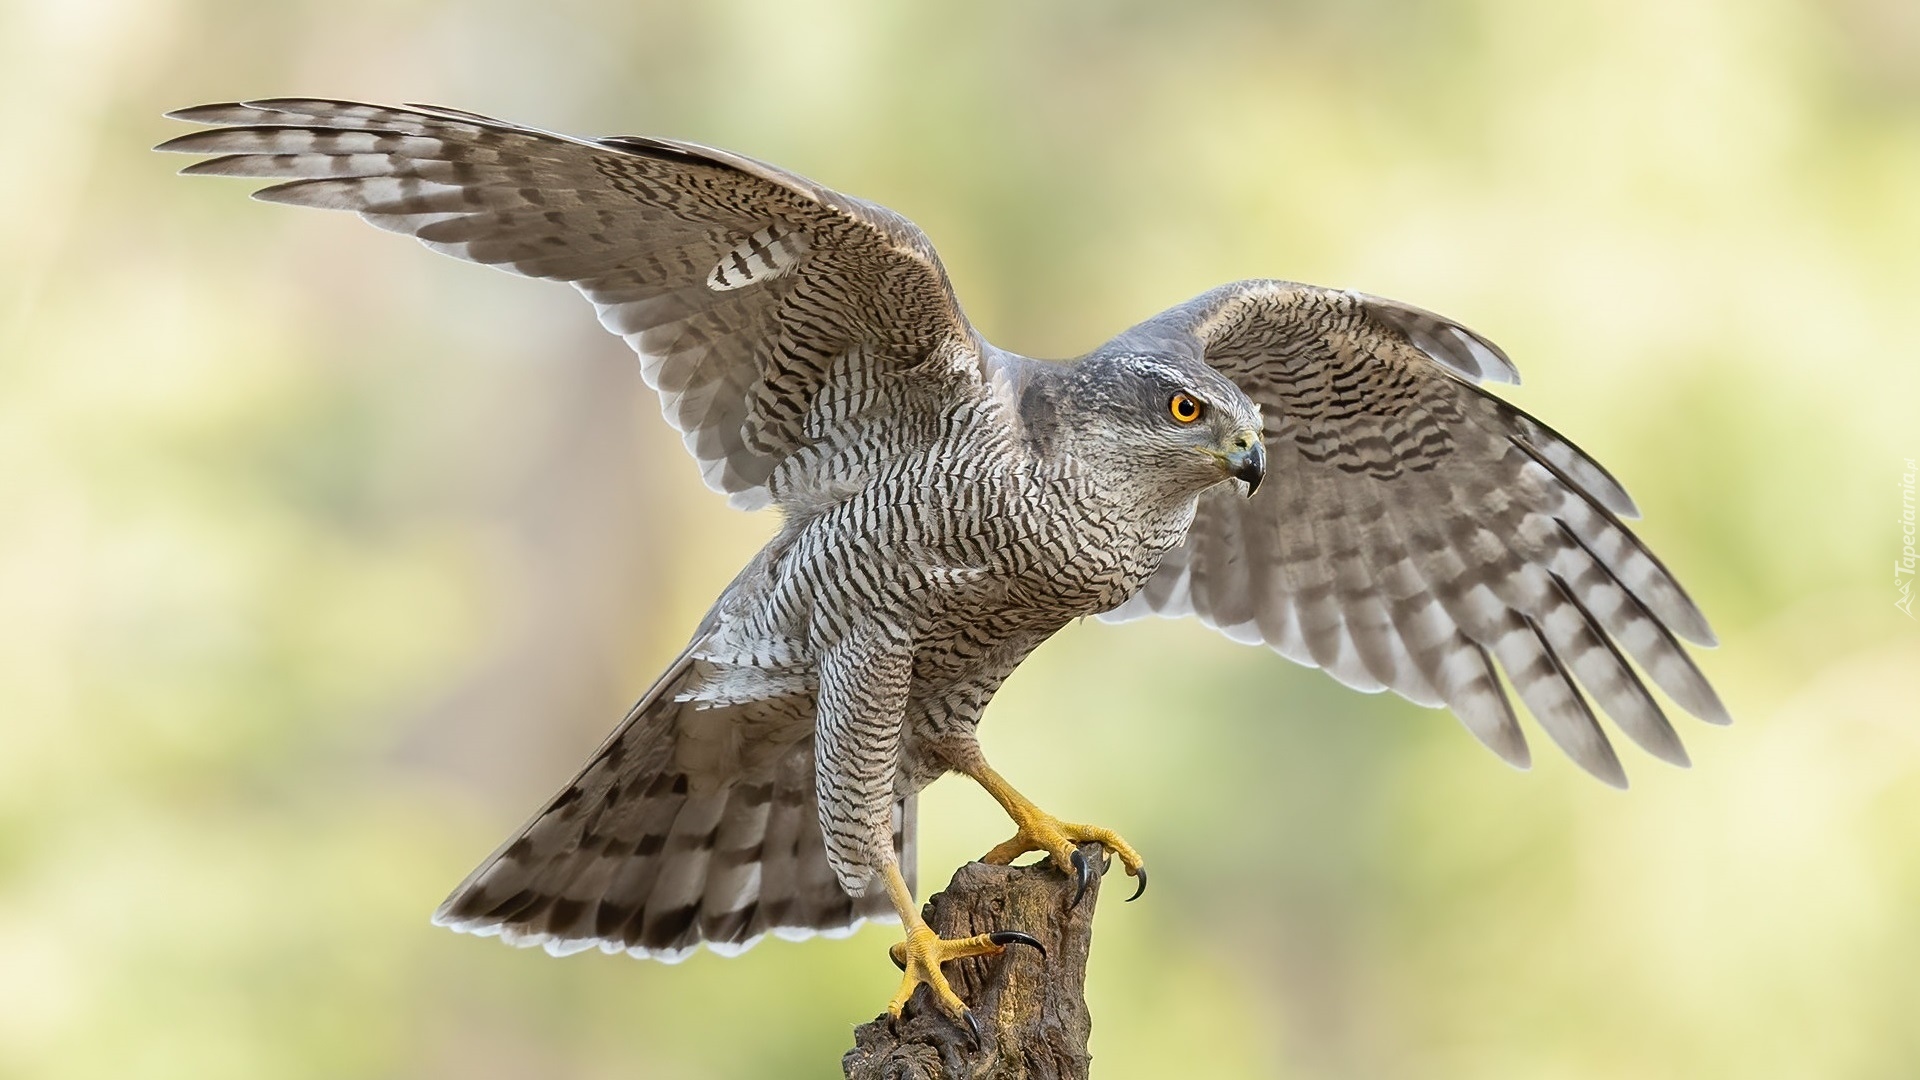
(637, 856)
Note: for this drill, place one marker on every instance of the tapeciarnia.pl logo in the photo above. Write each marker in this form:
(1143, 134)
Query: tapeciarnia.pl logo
(1904, 565)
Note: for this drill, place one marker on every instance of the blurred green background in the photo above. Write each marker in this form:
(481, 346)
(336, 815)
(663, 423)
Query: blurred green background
(323, 559)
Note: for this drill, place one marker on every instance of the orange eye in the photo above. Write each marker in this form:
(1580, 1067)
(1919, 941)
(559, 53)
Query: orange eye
(1184, 409)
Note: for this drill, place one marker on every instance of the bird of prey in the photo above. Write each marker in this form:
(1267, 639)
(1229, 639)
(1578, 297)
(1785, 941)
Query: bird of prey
(1315, 470)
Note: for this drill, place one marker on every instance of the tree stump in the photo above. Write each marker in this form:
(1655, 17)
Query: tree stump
(1032, 1011)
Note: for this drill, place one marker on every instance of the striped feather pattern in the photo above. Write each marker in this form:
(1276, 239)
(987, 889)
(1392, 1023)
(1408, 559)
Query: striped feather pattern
(653, 851)
(1418, 535)
(736, 282)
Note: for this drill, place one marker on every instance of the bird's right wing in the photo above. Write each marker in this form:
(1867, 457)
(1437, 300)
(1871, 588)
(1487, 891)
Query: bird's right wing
(1416, 534)
(759, 302)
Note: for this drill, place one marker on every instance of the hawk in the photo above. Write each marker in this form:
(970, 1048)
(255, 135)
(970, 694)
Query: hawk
(1314, 470)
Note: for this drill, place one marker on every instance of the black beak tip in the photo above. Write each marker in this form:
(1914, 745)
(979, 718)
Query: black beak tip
(1253, 469)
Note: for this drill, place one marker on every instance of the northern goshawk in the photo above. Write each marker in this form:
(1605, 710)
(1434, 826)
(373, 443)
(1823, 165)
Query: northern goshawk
(947, 506)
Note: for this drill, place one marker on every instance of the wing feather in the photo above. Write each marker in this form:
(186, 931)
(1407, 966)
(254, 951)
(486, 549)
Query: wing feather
(1418, 535)
(737, 283)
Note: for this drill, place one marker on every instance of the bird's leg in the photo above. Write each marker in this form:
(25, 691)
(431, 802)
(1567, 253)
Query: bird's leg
(1041, 831)
(923, 951)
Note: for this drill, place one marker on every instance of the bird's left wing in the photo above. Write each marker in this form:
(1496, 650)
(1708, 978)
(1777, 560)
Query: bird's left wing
(751, 294)
(1416, 534)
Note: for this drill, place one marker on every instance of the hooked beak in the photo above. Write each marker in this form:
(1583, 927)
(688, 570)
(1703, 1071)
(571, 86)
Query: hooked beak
(1248, 462)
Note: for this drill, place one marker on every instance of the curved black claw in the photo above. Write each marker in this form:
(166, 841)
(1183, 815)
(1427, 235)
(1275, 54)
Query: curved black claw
(1083, 870)
(973, 1027)
(899, 959)
(1142, 875)
(1015, 937)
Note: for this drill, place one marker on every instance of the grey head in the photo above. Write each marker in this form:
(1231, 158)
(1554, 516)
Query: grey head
(1166, 424)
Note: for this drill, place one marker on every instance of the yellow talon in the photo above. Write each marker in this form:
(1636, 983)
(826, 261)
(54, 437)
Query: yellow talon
(921, 954)
(920, 957)
(1038, 830)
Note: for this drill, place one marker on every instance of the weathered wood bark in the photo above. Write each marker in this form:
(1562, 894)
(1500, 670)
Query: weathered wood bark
(1032, 1012)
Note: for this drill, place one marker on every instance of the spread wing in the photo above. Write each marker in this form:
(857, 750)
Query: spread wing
(751, 294)
(1416, 534)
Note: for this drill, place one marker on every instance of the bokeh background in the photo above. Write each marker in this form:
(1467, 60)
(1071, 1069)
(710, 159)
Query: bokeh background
(323, 559)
